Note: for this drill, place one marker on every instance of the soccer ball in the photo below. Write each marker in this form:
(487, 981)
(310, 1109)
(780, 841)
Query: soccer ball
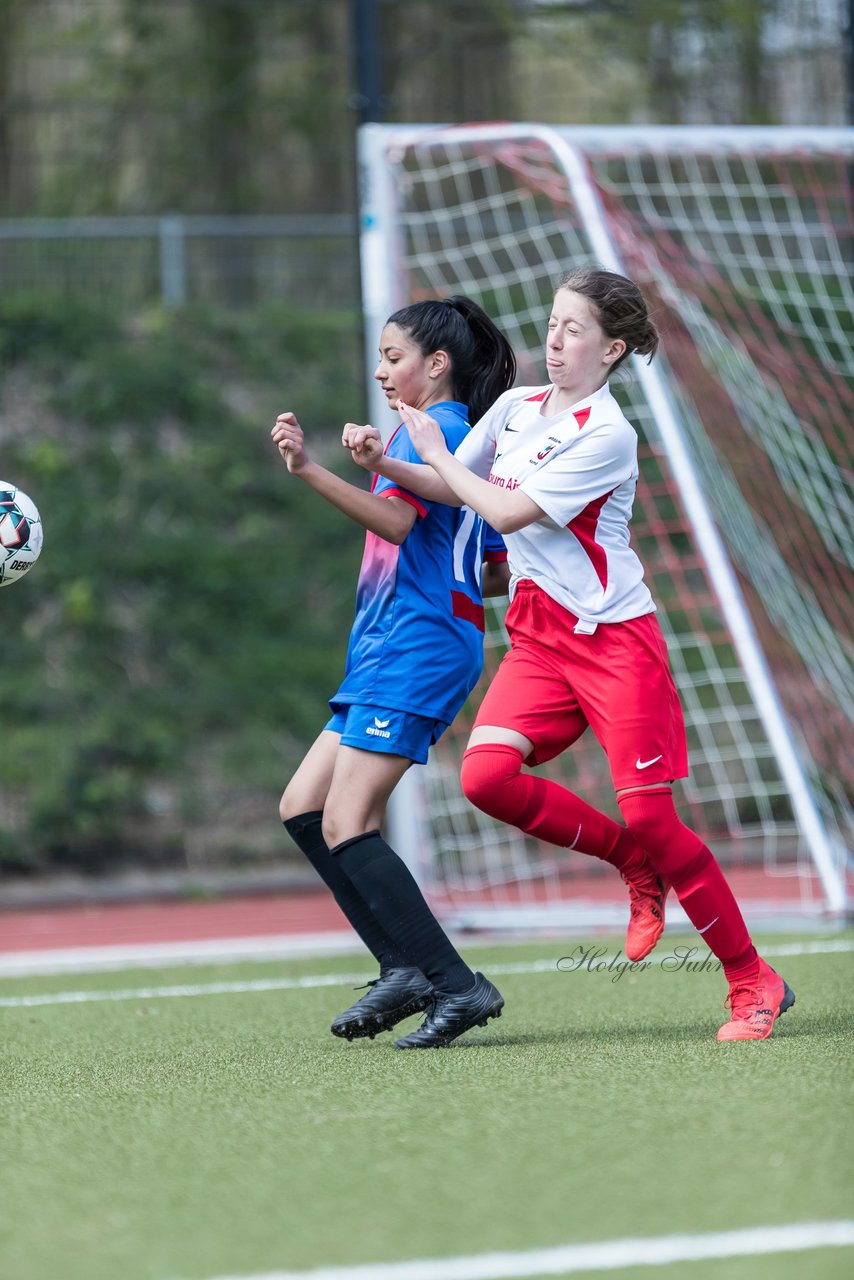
(20, 533)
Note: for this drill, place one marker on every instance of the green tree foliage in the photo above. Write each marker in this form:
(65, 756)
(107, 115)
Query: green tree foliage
(174, 646)
(217, 106)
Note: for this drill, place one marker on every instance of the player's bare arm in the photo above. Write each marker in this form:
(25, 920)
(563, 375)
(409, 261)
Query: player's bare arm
(366, 446)
(389, 518)
(495, 578)
(506, 510)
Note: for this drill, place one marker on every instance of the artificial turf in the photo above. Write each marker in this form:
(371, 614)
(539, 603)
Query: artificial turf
(181, 1138)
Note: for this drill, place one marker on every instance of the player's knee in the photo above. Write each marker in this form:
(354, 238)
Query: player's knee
(489, 777)
(340, 825)
(297, 800)
(334, 831)
(291, 805)
(652, 819)
(650, 833)
(649, 815)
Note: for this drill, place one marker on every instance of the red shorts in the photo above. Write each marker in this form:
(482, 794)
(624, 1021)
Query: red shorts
(553, 683)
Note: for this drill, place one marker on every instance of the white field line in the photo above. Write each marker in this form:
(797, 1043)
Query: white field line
(597, 957)
(610, 1255)
(157, 955)
(160, 955)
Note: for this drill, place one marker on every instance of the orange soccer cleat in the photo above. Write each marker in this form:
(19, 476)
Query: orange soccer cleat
(755, 1005)
(647, 892)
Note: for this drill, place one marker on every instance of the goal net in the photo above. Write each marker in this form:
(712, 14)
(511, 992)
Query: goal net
(742, 241)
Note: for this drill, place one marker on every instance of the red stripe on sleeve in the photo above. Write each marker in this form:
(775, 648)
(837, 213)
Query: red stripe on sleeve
(407, 497)
(584, 529)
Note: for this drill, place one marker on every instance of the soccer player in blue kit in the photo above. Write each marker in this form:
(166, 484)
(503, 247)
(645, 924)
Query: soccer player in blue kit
(414, 655)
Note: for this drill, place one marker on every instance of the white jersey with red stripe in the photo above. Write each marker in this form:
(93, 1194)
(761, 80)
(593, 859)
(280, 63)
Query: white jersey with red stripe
(581, 468)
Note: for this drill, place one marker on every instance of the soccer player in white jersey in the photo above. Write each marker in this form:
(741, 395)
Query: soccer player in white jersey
(415, 653)
(554, 469)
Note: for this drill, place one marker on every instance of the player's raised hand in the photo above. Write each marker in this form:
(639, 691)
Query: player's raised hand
(289, 439)
(365, 444)
(424, 432)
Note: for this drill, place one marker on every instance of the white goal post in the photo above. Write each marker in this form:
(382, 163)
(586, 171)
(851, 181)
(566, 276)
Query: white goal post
(742, 238)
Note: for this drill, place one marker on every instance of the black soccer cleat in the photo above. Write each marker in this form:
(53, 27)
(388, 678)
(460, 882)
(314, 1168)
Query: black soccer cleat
(393, 996)
(450, 1015)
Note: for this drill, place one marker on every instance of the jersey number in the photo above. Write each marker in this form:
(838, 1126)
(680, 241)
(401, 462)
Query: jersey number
(461, 543)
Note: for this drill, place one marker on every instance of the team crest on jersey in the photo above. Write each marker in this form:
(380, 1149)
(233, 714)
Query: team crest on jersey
(544, 453)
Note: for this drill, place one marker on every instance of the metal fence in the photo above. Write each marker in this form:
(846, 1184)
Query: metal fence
(174, 259)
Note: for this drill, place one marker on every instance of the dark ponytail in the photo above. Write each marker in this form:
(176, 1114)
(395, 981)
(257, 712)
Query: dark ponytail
(482, 361)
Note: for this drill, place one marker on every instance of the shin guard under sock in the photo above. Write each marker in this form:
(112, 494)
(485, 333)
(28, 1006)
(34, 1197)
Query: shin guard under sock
(492, 779)
(679, 855)
(389, 888)
(305, 831)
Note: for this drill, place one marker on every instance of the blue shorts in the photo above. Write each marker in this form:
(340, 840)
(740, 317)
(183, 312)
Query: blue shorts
(373, 728)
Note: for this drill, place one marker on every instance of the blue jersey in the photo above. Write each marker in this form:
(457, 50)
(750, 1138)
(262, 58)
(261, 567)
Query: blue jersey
(417, 638)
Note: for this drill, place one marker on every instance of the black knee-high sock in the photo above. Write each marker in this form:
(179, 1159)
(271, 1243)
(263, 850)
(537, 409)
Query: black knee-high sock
(388, 887)
(305, 831)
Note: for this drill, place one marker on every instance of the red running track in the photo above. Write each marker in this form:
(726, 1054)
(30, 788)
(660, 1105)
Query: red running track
(290, 913)
(125, 924)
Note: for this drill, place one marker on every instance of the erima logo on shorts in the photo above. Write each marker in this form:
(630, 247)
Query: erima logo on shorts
(379, 729)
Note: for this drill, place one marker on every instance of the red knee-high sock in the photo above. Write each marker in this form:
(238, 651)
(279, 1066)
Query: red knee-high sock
(680, 856)
(492, 779)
